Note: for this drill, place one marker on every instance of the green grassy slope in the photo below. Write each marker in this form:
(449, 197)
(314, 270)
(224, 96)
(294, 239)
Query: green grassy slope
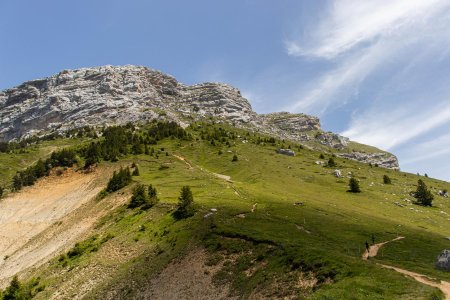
(279, 241)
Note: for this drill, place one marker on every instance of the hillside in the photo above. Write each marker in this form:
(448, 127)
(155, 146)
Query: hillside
(266, 225)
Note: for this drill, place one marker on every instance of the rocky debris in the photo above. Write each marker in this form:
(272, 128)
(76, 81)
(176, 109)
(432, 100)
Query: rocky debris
(337, 173)
(320, 163)
(443, 260)
(208, 215)
(288, 152)
(115, 95)
(332, 140)
(443, 193)
(384, 160)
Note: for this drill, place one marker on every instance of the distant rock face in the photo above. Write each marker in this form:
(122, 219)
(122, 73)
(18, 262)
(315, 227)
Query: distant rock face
(111, 95)
(443, 261)
(384, 160)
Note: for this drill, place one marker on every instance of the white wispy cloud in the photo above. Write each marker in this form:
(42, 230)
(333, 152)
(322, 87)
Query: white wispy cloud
(386, 62)
(390, 129)
(351, 23)
(430, 149)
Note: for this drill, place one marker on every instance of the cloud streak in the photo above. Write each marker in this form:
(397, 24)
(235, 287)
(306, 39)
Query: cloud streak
(385, 61)
(353, 23)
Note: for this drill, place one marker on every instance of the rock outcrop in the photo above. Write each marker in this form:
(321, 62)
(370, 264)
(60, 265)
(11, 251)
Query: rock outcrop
(109, 95)
(384, 160)
(443, 261)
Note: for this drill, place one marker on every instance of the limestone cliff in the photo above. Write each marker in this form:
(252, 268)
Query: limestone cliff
(108, 95)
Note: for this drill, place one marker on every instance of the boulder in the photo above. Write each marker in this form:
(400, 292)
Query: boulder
(288, 152)
(337, 173)
(443, 260)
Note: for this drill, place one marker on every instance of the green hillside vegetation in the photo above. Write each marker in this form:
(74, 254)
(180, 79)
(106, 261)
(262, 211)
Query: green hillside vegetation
(279, 218)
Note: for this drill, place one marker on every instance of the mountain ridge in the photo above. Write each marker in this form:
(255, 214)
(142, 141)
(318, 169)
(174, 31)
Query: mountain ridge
(113, 95)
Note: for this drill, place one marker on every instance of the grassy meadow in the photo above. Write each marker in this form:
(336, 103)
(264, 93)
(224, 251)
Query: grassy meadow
(279, 218)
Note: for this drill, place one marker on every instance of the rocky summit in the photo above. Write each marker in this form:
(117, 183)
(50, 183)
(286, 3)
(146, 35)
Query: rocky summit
(109, 95)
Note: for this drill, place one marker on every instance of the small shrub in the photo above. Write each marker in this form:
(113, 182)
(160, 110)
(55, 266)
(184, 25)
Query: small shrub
(119, 180)
(139, 197)
(235, 158)
(136, 171)
(354, 186)
(386, 179)
(331, 163)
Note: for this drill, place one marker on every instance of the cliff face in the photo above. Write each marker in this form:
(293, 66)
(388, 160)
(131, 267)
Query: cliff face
(117, 95)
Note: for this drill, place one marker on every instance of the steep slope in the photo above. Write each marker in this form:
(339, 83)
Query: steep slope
(40, 221)
(110, 95)
(267, 226)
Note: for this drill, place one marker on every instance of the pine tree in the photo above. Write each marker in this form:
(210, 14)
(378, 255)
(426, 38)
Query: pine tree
(139, 197)
(185, 201)
(423, 195)
(152, 195)
(39, 169)
(354, 186)
(136, 171)
(12, 291)
(331, 163)
(93, 154)
(119, 180)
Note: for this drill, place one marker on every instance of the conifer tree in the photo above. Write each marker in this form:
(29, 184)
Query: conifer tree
(423, 195)
(354, 186)
(139, 197)
(331, 163)
(185, 201)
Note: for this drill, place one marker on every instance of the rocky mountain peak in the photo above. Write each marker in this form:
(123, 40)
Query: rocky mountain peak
(108, 95)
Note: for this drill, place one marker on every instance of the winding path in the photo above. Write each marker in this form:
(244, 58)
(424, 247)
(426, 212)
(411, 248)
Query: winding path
(444, 286)
(373, 250)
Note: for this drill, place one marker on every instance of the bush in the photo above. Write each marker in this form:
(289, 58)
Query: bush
(139, 197)
(185, 202)
(136, 171)
(386, 179)
(1, 191)
(331, 163)
(354, 186)
(152, 195)
(92, 154)
(119, 180)
(423, 195)
(235, 158)
(63, 158)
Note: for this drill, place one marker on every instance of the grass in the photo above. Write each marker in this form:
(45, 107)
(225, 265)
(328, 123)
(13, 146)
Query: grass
(279, 241)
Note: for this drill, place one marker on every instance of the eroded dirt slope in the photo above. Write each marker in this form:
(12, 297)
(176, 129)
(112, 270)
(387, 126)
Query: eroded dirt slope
(34, 222)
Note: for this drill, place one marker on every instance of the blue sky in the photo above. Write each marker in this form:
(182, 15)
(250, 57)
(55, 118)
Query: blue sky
(376, 71)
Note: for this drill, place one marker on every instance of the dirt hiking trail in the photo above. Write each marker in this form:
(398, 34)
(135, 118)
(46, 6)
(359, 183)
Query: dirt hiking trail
(444, 286)
(373, 250)
(189, 165)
